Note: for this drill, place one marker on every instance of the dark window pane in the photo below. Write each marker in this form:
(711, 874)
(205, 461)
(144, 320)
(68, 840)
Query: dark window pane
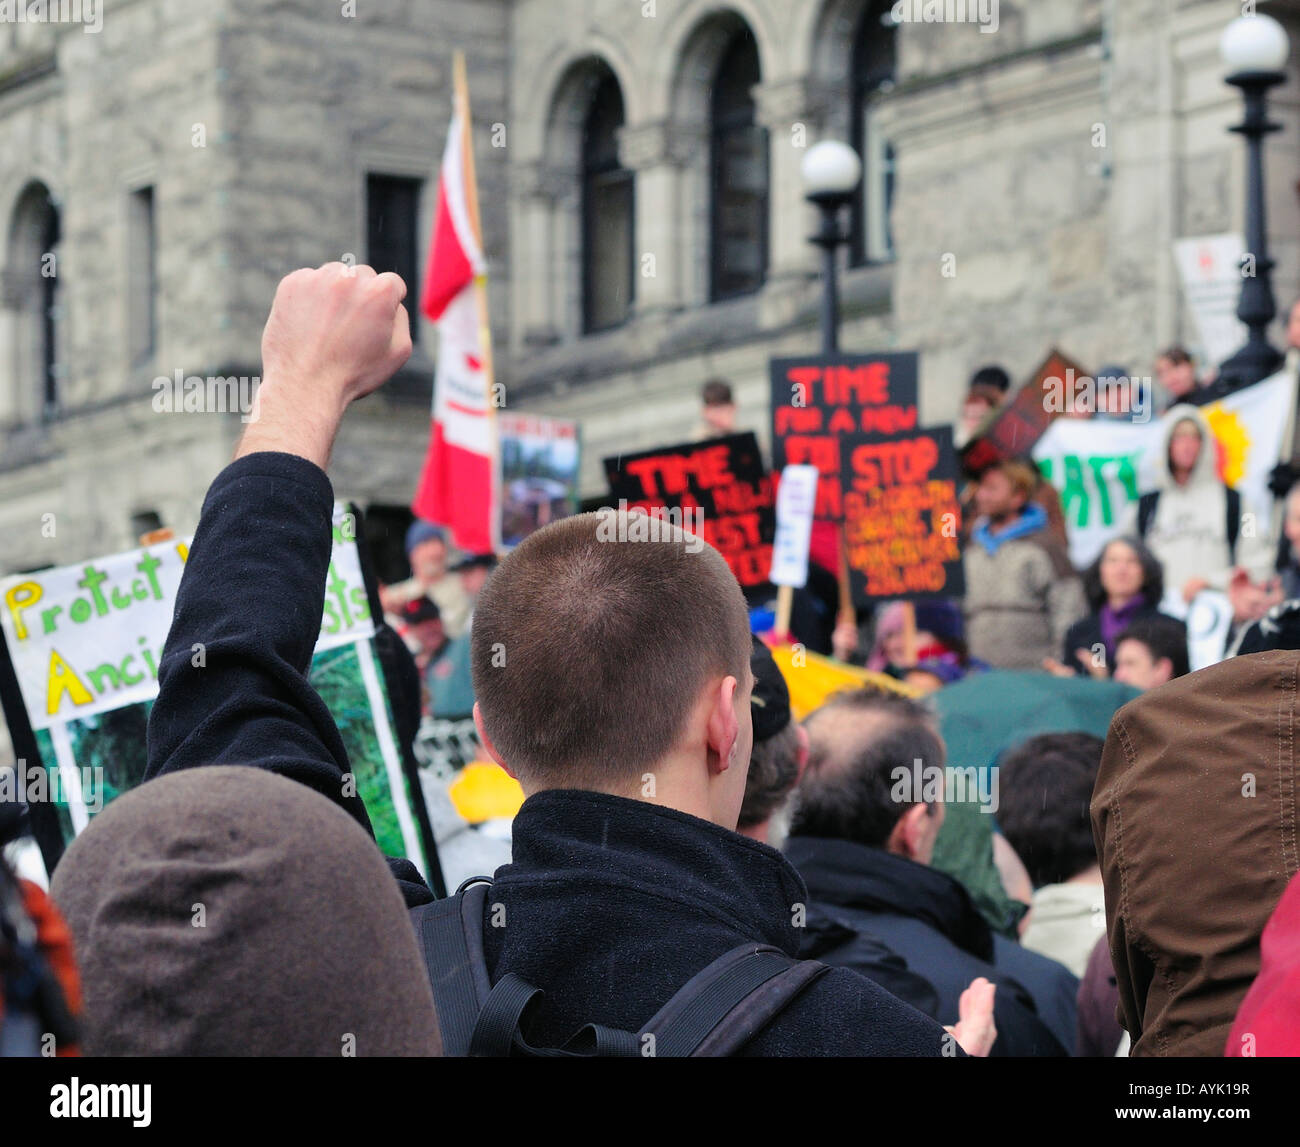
(871, 240)
(607, 214)
(739, 175)
(392, 232)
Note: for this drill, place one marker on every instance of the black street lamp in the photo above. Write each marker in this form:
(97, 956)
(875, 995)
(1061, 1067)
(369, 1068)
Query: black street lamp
(831, 171)
(1254, 50)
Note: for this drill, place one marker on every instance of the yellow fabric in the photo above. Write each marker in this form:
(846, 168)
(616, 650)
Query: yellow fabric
(812, 679)
(485, 792)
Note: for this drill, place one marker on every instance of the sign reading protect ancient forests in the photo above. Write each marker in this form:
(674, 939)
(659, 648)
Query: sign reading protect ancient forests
(87, 638)
(902, 518)
(716, 489)
(817, 400)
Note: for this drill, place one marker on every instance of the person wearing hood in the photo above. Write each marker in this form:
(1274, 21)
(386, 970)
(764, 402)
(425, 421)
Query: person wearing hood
(1196, 525)
(1022, 594)
(228, 911)
(1194, 816)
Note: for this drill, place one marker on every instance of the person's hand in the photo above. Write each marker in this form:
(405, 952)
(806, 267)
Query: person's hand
(334, 334)
(844, 640)
(1193, 586)
(975, 1029)
(1056, 669)
(1250, 601)
(1089, 663)
(337, 332)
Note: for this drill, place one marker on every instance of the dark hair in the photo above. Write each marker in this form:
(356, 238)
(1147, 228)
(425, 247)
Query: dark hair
(1176, 354)
(991, 375)
(773, 770)
(1163, 637)
(716, 392)
(1153, 575)
(1044, 789)
(1023, 475)
(857, 742)
(592, 641)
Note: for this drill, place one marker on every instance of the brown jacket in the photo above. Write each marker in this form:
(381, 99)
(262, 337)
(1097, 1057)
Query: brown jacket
(1194, 814)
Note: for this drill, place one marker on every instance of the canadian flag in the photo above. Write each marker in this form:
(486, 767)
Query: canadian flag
(458, 483)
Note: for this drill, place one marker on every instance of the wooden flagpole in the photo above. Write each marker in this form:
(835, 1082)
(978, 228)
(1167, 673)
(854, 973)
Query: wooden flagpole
(460, 86)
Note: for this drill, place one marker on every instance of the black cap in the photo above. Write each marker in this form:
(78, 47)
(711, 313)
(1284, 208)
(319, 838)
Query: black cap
(474, 561)
(419, 609)
(770, 702)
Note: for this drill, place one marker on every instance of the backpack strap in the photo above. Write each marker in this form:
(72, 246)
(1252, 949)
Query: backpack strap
(1233, 503)
(450, 934)
(724, 1006)
(1147, 512)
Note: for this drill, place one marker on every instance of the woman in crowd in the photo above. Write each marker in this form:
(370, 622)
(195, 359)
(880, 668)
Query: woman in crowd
(1124, 585)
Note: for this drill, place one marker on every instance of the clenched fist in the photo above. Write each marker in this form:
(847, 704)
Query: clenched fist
(338, 330)
(334, 334)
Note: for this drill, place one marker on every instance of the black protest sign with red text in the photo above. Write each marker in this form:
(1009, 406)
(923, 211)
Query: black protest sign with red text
(817, 400)
(902, 517)
(722, 480)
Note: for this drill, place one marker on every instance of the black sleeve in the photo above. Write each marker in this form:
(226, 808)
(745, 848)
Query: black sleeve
(232, 682)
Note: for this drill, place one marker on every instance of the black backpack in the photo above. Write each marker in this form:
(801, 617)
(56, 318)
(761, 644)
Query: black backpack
(1147, 515)
(716, 1013)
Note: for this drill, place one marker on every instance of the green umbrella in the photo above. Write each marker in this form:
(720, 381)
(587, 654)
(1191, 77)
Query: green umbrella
(981, 716)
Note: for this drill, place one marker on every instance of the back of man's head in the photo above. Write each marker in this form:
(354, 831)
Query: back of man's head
(593, 642)
(869, 755)
(1044, 791)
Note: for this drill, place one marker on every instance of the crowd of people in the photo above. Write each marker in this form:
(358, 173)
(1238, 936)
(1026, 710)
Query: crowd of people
(696, 869)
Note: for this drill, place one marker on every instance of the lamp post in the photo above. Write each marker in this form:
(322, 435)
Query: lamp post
(1254, 51)
(831, 171)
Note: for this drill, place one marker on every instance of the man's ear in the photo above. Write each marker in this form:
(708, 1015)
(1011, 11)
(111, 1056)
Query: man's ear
(1166, 668)
(723, 725)
(486, 741)
(907, 832)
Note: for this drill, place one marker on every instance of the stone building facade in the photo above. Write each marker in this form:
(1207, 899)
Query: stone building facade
(644, 223)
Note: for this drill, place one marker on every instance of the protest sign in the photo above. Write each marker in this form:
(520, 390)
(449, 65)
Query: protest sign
(902, 517)
(817, 399)
(715, 489)
(82, 646)
(796, 500)
(1211, 270)
(1101, 468)
(1012, 430)
(540, 457)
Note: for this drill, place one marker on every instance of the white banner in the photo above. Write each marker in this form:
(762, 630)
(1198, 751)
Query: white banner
(87, 638)
(1100, 467)
(796, 498)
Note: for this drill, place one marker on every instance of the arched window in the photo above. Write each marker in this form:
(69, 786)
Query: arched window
(872, 77)
(739, 174)
(608, 272)
(33, 273)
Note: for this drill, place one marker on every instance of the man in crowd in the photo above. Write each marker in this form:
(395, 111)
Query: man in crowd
(866, 816)
(1176, 374)
(779, 755)
(1044, 786)
(613, 682)
(1151, 652)
(426, 550)
(717, 410)
(1022, 594)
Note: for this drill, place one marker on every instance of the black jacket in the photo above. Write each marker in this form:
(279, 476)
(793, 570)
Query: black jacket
(1086, 633)
(610, 904)
(929, 919)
